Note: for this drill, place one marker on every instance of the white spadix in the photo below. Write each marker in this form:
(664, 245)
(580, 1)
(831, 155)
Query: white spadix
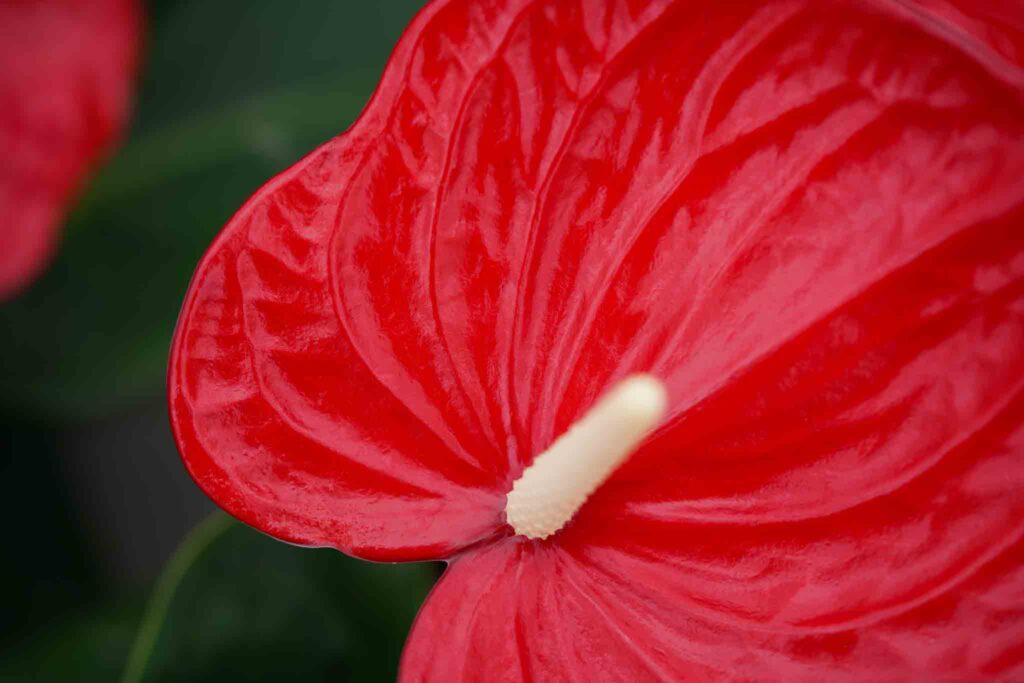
(553, 488)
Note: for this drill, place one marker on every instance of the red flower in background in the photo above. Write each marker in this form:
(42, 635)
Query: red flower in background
(806, 218)
(66, 72)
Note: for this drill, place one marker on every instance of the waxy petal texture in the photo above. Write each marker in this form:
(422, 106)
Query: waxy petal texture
(520, 613)
(66, 73)
(806, 218)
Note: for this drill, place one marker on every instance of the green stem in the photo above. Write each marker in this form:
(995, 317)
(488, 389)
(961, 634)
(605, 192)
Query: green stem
(184, 557)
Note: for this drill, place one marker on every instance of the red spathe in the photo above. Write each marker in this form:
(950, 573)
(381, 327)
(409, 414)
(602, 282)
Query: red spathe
(66, 73)
(807, 218)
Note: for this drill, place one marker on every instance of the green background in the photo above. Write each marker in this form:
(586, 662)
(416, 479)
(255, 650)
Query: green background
(230, 93)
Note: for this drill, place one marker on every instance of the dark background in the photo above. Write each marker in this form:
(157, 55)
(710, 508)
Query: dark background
(95, 498)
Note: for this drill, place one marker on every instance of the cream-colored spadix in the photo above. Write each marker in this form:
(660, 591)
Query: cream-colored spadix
(553, 488)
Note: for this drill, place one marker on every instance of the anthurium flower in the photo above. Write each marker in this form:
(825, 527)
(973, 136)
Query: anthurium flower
(66, 70)
(786, 236)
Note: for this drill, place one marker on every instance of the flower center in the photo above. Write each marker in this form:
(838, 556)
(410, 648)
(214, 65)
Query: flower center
(553, 488)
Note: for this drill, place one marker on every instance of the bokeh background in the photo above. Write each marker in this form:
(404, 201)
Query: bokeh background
(114, 565)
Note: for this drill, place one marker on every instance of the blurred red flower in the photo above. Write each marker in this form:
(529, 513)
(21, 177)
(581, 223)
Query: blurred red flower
(66, 74)
(805, 217)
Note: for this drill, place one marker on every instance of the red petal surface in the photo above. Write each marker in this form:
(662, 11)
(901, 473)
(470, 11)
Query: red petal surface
(521, 612)
(66, 71)
(806, 217)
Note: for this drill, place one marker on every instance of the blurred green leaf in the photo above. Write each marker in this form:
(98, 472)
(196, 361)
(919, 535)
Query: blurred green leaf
(87, 646)
(234, 605)
(232, 93)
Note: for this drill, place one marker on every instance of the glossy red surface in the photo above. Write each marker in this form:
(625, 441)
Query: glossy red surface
(806, 217)
(66, 74)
